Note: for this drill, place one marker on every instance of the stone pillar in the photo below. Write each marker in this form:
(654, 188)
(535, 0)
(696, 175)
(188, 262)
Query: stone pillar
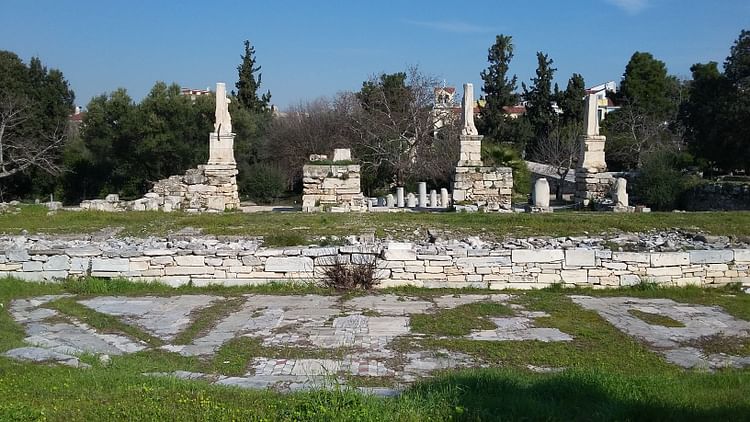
(433, 199)
(444, 199)
(411, 200)
(400, 196)
(540, 195)
(591, 161)
(422, 194)
(390, 201)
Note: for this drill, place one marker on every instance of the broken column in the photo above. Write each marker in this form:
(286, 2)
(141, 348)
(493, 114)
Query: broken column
(400, 196)
(488, 187)
(592, 183)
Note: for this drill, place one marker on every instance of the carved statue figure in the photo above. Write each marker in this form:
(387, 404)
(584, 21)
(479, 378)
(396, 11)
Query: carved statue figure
(467, 116)
(223, 123)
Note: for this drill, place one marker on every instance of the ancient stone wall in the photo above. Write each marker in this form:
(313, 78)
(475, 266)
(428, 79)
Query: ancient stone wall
(332, 187)
(487, 186)
(204, 260)
(727, 196)
(210, 187)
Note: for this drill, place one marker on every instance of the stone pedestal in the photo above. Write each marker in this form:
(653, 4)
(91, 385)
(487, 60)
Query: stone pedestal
(470, 151)
(221, 148)
(592, 183)
(592, 186)
(444, 198)
(592, 153)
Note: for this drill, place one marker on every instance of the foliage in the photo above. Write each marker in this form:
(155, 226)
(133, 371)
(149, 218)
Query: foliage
(560, 148)
(354, 276)
(508, 156)
(127, 146)
(316, 127)
(263, 182)
(393, 125)
(539, 111)
(247, 86)
(649, 99)
(717, 113)
(34, 106)
(660, 183)
(499, 91)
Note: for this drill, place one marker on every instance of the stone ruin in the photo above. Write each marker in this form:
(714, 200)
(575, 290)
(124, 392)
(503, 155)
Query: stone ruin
(593, 183)
(332, 185)
(211, 187)
(475, 183)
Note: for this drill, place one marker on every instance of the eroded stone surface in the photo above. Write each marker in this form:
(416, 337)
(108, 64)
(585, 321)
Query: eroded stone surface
(164, 317)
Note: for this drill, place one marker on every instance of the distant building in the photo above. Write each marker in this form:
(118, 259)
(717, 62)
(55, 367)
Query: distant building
(445, 109)
(194, 93)
(604, 103)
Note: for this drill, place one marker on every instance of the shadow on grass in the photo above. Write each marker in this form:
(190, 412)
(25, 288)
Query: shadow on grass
(589, 395)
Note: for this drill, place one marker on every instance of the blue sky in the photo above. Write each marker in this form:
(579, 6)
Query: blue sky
(310, 49)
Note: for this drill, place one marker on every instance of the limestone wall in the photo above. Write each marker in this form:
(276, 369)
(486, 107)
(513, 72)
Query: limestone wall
(331, 186)
(203, 261)
(488, 186)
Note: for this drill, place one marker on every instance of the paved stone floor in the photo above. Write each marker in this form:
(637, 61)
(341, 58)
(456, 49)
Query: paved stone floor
(675, 343)
(360, 330)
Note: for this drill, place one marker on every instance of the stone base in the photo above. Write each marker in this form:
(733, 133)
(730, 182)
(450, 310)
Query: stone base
(592, 185)
(332, 187)
(491, 187)
(221, 149)
(470, 150)
(537, 210)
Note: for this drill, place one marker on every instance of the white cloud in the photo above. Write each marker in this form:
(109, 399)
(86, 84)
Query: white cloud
(451, 26)
(632, 7)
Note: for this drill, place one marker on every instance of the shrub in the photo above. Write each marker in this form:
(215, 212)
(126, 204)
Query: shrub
(263, 182)
(506, 156)
(342, 276)
(660, 183)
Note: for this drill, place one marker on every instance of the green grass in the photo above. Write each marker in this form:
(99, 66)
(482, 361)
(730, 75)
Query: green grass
(101, 322)
(459, 321)
(206, 318)
(655, 319)
(283, 229)
(609, 375)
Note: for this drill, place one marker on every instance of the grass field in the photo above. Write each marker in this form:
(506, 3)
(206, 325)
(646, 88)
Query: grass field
(285, 229)
(607, 375)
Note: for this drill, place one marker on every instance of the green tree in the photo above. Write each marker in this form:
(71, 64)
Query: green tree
(717, 112)
(647, 86)
(35, 103)
(571, 100)
(499, 91)
(649, 100)
(248, 86)
(539, 97)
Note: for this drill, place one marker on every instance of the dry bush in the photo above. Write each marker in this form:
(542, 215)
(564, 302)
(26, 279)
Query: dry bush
(341, 276)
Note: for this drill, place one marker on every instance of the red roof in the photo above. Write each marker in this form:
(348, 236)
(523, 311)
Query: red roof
(77, 118)
(518, 109)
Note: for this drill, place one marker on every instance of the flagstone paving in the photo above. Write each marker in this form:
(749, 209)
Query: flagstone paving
(673, 342)
(359, 331)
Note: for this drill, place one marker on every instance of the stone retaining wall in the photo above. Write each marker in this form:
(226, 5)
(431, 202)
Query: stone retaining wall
(203, 261)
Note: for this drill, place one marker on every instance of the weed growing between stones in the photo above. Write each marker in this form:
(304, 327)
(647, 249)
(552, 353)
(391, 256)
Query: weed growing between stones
(343, 277)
